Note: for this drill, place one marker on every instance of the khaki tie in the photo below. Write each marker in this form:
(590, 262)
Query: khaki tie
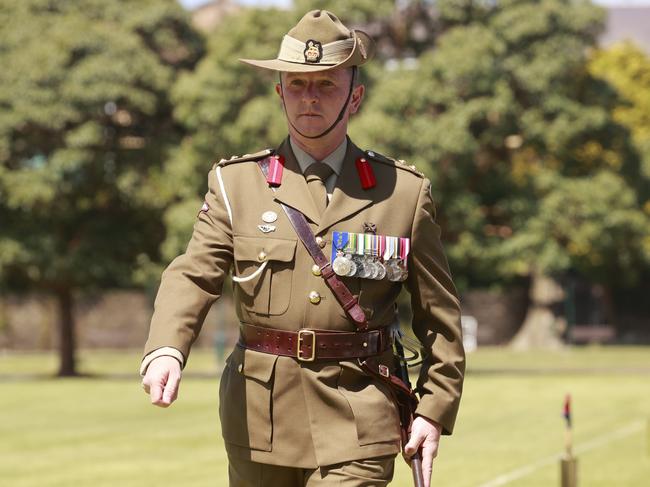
(316, 175)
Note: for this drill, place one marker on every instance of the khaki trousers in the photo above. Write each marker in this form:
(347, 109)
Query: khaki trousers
(372, 472)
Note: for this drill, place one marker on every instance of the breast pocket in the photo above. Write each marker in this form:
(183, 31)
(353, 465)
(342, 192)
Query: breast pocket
(269, 292)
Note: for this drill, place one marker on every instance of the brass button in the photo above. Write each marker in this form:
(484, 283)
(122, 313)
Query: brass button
(261, 256)
(320, 242)
(315, 270)
(314, 297)
(240, 368)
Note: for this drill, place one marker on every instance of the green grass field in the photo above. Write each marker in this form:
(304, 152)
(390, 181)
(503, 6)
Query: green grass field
(101, 430)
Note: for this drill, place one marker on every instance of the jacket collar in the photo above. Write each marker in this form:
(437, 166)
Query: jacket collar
(348, 197)
(333, 160)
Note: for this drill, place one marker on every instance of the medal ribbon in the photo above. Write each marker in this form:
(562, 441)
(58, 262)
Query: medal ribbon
(351, 247)
(367, 243)
(405, 247)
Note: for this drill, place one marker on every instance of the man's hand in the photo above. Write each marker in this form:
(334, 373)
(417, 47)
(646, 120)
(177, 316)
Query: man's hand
(425, 433)
(162, 380)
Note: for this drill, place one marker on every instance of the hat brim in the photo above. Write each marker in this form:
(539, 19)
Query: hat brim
(363, 51)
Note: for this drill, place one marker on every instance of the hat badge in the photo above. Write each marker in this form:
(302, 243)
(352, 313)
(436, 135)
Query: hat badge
(313, 51)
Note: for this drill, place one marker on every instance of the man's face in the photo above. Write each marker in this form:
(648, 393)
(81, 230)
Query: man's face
(313, 100)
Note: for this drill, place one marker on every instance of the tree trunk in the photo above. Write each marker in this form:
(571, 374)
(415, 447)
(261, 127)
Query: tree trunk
(67, 362)
(541, 328)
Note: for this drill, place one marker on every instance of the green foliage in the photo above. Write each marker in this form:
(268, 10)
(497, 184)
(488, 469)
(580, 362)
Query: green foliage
(230, 109)
(592, 224)
(112, 114)
(503, 101)
(86, 120)
(627, 69)
(350, 13)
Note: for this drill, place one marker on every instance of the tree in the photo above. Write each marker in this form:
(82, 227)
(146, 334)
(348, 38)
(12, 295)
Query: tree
(626, 69)
(227, 108)
(494, 103)
(86, 125)
(400, 28)
(504, 117)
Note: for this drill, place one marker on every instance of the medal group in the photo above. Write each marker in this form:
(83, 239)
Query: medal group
(370, 256)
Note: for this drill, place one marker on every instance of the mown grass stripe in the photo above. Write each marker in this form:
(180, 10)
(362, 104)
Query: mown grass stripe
(598, 442)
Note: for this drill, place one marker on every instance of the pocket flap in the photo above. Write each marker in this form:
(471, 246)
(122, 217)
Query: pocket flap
(258, 365)
(250, 248)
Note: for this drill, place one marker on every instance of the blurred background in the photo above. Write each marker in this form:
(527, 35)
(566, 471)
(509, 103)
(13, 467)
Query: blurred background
(530, 117)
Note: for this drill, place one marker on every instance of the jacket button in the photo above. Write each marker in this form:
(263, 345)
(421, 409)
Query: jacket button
(320, 242)
(240, 368)
(315, 270)
(261, 256)
(314, 297)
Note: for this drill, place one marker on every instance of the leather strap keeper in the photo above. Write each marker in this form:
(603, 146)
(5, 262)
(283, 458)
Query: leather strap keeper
(308, 345)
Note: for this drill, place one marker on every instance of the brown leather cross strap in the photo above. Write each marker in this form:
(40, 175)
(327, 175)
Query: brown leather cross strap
(308, 345)
(338, 287)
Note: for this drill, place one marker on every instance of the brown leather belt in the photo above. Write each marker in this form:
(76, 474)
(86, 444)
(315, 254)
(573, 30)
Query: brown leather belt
(308, 345)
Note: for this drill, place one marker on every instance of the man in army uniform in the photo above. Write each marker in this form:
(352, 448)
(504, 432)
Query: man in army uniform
(296, 407)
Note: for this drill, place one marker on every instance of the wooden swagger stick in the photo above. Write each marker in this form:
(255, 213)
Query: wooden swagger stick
(403, 373)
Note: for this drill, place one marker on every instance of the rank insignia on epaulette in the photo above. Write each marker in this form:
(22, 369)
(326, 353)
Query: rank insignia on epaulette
(370, 256)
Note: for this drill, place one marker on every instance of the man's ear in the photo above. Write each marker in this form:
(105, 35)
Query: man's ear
(357, 98)
(278, 89)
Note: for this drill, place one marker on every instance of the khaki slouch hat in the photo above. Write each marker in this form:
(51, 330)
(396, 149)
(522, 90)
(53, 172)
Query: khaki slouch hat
(319, 42)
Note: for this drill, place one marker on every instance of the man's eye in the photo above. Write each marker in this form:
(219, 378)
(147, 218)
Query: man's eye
(296, 82)
(326, 83)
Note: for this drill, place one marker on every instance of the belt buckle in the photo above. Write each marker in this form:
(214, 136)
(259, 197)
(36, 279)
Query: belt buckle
(300, 355)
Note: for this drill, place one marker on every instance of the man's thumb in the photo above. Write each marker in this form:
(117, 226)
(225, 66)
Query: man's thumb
(413, 444)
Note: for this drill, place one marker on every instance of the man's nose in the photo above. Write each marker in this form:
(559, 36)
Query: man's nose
(310, 94)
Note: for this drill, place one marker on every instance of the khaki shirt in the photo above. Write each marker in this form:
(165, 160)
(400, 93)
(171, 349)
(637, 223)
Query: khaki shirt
(278, 410)
(334, 160)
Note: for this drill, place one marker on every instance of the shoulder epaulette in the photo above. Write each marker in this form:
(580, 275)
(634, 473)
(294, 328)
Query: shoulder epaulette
(246, 157)
(394, 162)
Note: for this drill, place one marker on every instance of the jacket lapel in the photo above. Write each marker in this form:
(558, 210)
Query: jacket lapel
(348, 196)
(293, 191)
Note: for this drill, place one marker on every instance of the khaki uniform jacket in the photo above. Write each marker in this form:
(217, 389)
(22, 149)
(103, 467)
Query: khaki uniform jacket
(278, 410)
